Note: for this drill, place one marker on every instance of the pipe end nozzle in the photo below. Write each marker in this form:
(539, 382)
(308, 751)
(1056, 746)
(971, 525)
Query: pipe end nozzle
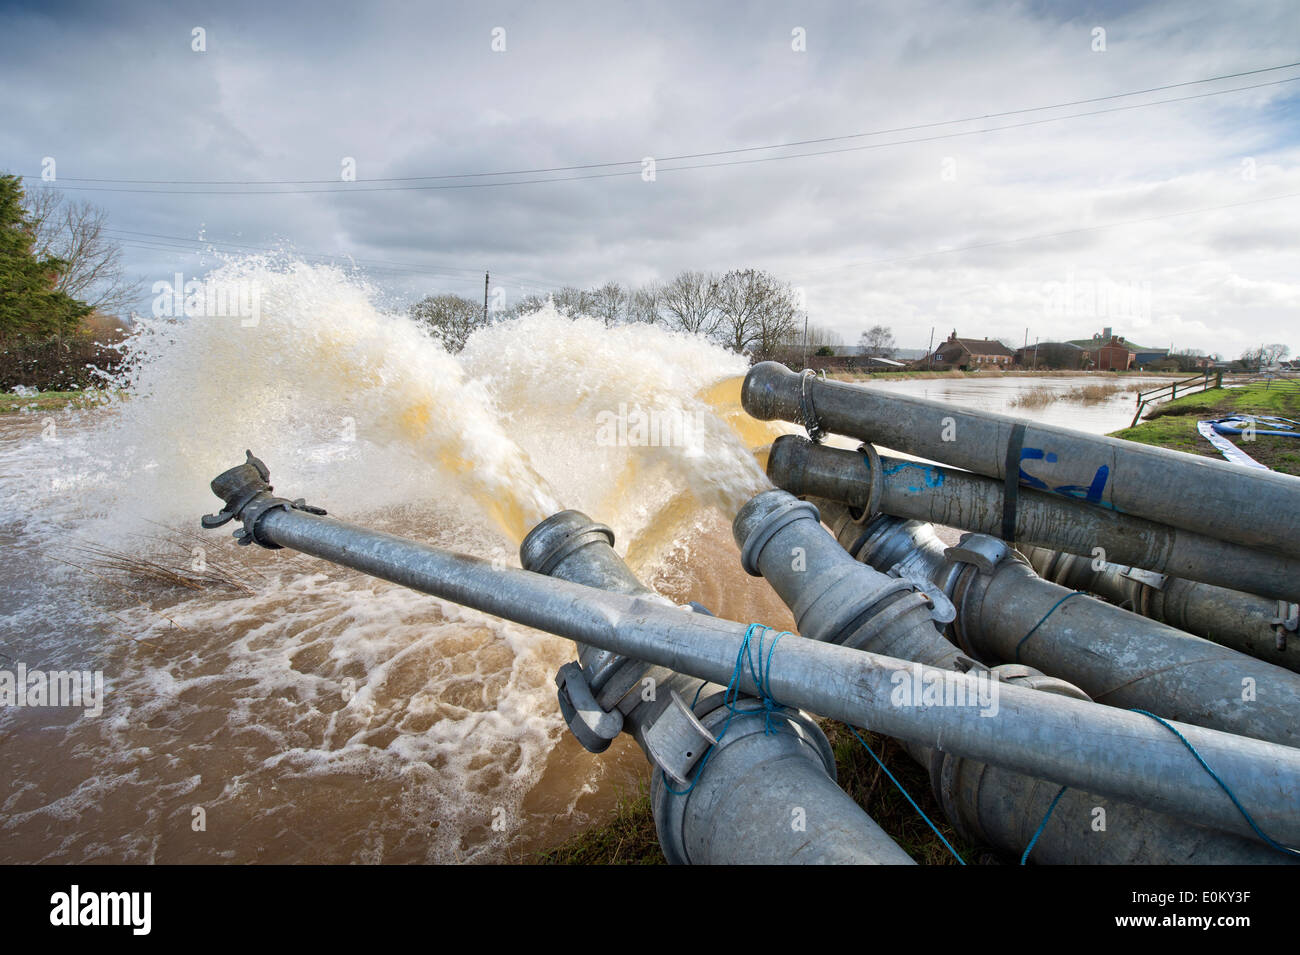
(236, 488)
(758, 393)
(557, 537)
(788, 460)
(251, 476)
(761, 517)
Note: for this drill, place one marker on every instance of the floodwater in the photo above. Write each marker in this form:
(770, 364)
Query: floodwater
(264, 706)
(999, 395)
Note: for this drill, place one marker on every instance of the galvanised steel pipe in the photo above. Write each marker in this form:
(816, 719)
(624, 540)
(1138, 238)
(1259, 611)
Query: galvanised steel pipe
(766, 794)
(995, 807)
(1246, 622)
(1116, 657)
(1248, 507)
(939, 495)
(833, 597)
(1095, 748)
(977, 798)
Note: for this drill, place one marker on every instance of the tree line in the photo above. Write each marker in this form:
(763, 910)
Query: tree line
(746, 310)
(57, 263)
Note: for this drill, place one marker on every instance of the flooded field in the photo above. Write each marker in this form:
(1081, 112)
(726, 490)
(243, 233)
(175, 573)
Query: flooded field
(1002, 395)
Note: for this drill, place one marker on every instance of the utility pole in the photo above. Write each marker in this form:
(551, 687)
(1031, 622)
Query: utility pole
(929, 355)
(485, 296)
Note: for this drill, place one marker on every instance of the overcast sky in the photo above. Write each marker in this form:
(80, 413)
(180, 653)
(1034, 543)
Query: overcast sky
(287, 92)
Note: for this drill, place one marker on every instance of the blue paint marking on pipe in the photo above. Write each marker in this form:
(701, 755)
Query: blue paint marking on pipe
(932, 476)
(1091, 493)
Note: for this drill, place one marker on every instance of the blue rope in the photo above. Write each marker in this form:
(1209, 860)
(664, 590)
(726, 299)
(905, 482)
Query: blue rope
(1222, 785)
(919, 811)
(1204, 765)
(1044, 620)
(762, 676)
(1042, 825)
(760, 670)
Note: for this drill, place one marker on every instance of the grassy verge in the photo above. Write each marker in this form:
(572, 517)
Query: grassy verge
(51, 400)
(628, 838)
(1173, 424)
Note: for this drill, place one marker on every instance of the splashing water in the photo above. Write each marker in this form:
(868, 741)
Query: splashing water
(317, 369)
(318, 714)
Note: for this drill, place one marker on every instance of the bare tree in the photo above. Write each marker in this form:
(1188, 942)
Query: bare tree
(645, 304)
(819, 337)
(878, 341)
(452, 318)
(74, 231)
(1271, 354)
(524, 306)
(690, 302)
(778, 319)
(572, 302)
(610, 304)
(742, 295)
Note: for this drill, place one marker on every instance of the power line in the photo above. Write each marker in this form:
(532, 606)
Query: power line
(699, 155)
(348, 188)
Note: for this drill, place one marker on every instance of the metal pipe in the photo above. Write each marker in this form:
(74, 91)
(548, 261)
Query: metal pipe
(1246, 622)
(992, 806)
(1259, 626)
(1116, 657)
(766, 793)
(939, 495)
(833, 597)
(1079, 744)
(988, 804)
(1253, 508)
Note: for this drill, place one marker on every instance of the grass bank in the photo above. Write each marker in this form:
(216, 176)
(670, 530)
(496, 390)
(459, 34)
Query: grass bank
(52, 400)
(628, 838)
(1173, 424)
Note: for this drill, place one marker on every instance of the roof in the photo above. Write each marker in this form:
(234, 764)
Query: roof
(981, 346)
(1094, 343)
(1050, 345)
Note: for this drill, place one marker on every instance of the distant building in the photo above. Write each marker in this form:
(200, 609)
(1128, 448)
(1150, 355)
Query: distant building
(972, 353)
(1114, 355)
(1053, 355)
(1148, 356)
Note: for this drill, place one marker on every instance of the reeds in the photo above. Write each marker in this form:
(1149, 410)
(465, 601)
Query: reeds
(1035, 397)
